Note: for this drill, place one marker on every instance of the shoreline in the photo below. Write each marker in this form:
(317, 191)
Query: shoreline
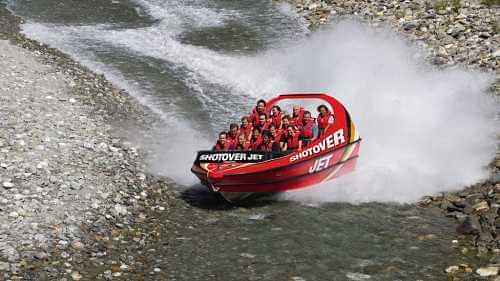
(115, 106)
(67, 171)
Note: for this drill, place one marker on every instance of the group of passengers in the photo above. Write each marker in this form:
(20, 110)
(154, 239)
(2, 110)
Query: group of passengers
(275, 132)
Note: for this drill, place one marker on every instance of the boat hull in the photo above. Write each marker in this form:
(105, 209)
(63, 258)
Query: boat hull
(236, 184)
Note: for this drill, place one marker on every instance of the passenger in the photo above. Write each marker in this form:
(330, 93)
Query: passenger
(243, 144)
(246, 127)
(325, 119)
(234, 132)
(257, 111)
(291, 140)
(256, 139)
(308, 128)
(267, 143)
(222, 143)
(285, 122)
(297, 116)
(263, 123)
(276, 134)
(276, 116)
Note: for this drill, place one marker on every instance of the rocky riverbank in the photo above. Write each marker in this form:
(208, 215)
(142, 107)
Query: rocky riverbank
(453, 34)
(65, 171)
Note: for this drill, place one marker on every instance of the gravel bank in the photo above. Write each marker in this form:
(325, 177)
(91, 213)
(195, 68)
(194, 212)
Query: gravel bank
(64, 170)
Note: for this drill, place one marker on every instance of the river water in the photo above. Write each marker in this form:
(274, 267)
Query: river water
(198, 64)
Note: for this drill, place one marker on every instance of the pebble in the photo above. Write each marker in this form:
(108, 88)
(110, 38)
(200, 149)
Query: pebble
(487, 271)
(452, 269)
(357, 276)
(7, 184)
(4, 266)
(76, 275)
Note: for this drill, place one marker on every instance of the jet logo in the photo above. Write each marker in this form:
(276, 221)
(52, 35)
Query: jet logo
(320, 164)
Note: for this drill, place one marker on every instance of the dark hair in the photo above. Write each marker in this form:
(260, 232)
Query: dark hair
(290, 126)
(272, 125)
(255, 128)
(307, 112)
(233, 125)
(261, 101)
(277, 107)
(222, 133)
(286, 117)
(324, 106)
(266, 133)
(245, 118)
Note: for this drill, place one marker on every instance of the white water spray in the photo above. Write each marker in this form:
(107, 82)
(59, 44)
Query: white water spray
(424, 130)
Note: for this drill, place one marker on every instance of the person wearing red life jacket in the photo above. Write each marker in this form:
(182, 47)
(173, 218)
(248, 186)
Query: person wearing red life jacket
(267, 143)
(243, 144)
(256, 139)
(276, 134)
(234, 132)
(325, 119)
(297, 116)
(263, 123)
(308, 128)
(285, 122)
(291, 141)
(276, 116)
(259, 109)
(246, 127)
(222, 143)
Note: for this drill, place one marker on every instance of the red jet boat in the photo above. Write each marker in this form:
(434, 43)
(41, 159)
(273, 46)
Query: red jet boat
(236, 175)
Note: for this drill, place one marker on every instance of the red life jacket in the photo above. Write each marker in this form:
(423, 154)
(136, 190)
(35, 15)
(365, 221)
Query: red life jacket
(292, 142)
(245, 146)
(255, 143)
(276, 120)
(325, 121)
(233, 139)
(277, 138)
(264, 127)
(307, 130)
(297, 120)
(266, 146)
(219, 147)
(254, 117)
(246, 130)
